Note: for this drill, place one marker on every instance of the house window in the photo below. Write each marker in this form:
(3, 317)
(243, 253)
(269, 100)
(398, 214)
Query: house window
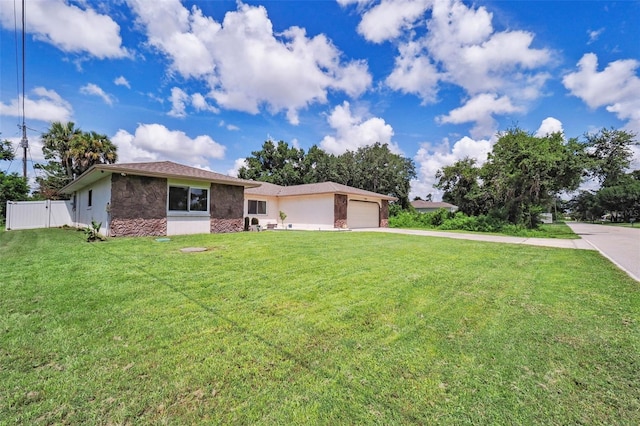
(187, 199)
(257, 207)
(90, 198)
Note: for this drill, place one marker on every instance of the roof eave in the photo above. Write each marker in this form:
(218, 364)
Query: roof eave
(87, 177)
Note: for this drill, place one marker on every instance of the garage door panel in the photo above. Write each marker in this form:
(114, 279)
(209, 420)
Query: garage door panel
(363, 214)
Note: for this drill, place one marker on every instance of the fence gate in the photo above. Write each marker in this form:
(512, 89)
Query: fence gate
(38, 214)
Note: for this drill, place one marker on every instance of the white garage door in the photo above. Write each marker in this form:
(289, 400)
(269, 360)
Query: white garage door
(362, 214)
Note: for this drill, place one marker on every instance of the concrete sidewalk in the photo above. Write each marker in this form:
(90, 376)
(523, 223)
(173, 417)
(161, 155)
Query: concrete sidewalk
(542, 242)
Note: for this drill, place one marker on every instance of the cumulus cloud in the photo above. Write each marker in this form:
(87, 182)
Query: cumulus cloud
(200, 103)
(46, 105)
(549, 126)
(447, 42)
(353, 131)
(240, 162)
(480, 110)
(245, 63)
(121, 81)
(429, 159)
(617, 87)
(154, 142)
(95, 90)
(68, 27)
(386, 20)
(179, 99)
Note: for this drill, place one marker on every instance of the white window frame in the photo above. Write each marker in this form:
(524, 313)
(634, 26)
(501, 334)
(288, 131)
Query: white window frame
(257, 212)
(188, 211)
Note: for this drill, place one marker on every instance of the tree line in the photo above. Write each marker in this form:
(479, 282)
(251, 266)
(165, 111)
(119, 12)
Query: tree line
(525, 174)
(372, 168)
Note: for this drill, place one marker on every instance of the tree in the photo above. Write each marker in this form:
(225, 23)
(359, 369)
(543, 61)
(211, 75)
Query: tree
(278, 164)
(57, 143)
(586, 206)
(70, 152)
(610, 154)
(6, 151)
(623, 197)
(12, 186)
(461, 185)
(375, 168)
(91, 148)
(523, 173)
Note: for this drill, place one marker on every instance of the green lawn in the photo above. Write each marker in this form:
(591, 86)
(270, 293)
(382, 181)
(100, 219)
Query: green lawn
(313, 328)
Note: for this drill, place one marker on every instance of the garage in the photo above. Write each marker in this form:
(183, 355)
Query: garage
(363, 214)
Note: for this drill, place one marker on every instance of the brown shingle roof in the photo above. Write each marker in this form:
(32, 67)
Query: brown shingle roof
(269, 189)
(162, 169)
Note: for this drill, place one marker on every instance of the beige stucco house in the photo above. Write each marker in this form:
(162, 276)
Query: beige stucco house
(317, 206)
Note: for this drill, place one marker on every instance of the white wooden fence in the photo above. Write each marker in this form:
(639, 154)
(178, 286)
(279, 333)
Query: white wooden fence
(38, 214)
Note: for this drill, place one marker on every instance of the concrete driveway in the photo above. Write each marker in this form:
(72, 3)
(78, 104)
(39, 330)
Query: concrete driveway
(619, 245)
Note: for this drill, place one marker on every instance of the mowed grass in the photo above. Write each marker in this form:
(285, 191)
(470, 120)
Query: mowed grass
(313, 328)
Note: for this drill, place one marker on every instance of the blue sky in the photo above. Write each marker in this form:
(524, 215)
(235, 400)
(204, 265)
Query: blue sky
(205, 83)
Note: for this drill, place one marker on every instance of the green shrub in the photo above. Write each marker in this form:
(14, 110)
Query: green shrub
(481, 223)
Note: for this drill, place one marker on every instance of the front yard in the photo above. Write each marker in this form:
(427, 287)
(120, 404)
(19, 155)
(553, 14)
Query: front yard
(313, 328)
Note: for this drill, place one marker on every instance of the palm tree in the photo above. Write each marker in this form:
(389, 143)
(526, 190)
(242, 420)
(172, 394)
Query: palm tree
(91, 148)
(57, 144)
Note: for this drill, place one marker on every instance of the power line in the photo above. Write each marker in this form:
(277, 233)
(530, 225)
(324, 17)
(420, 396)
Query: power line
(24, 143)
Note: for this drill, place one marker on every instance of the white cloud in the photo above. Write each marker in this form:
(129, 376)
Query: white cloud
(429, 160)
(480, 109)
(179, 99)
(95, 90)
(240, 162)
(68, 27)
(549, 126)
(246, 65)
(460, 47)
(121, 81)
(200, 103)
(617, 87)
(594, 35)
(386, 20)
(154, 142)
(415, 73)
(47, 106)
(353, 131)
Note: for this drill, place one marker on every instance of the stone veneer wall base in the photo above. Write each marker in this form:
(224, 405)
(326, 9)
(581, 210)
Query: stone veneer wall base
(138, 227)
(219, 226)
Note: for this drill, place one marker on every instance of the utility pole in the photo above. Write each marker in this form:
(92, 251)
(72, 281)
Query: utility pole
(24, 143)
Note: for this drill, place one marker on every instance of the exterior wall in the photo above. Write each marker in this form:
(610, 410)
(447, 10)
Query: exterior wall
(308, 211)
(138, 206)
(340, 211)
(184, 225)
(384, 214)
(100, 205)
(226, 207)
(273, 210)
